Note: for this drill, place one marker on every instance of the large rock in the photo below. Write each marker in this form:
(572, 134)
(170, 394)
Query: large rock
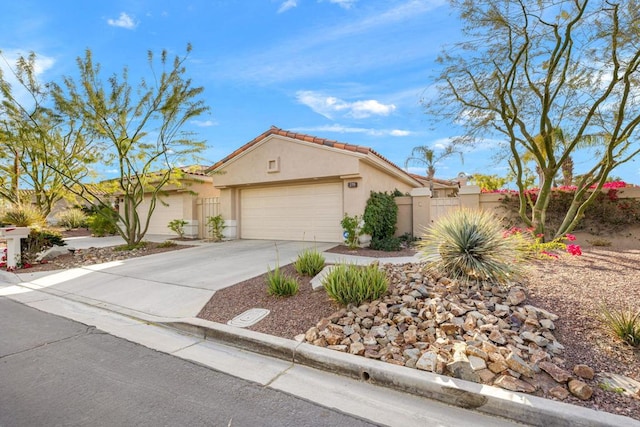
(357, 348)
(580, 389)
(584, 371)
(462, 369)
(54, 252)
(516, 296)
(559, 392)
(427, 362)
(516, 363)
(497, 337)
(479, 332)
(558, 374)
(510, 383)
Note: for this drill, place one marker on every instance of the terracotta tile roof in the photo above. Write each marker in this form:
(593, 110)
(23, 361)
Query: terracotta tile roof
(307, 138)
(421, 178)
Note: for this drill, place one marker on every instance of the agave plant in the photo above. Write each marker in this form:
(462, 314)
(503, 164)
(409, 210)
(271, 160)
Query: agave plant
(472, 245)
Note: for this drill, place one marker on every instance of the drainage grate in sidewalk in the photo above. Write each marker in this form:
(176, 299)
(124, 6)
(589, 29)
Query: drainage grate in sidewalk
(248, 318)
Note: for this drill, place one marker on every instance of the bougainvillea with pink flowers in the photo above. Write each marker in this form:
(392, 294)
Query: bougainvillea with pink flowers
(609, 212)
(538, 248)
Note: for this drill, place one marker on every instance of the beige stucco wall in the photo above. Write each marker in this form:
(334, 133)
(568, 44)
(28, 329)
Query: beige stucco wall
(630, 193)
(405, 215)
(299, 162)
(491, 202)
(469, 197)
(371, 178)
(294, 160)
(192, 190)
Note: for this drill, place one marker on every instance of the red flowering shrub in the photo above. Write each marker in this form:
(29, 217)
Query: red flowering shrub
(608, 213)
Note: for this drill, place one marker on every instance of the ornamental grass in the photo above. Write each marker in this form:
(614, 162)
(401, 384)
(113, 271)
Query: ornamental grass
(351, 284)
(309, 262)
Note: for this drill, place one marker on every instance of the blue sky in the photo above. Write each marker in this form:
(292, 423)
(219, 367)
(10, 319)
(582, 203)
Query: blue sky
(350, 70)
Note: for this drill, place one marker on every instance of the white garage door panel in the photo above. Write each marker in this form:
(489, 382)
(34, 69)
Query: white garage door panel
(162, 214)
(296, 212)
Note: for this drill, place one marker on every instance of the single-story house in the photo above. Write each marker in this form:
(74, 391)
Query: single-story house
(290, 186)
(178, 200)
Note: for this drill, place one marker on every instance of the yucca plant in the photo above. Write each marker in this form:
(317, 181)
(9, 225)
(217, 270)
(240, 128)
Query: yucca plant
(309, 263)
(280, 284)
(471, 245)
(24, 215)
(624, 323)
(351, 284)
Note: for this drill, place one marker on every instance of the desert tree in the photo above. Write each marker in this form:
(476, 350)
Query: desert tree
(31, 134)
(136, 130)
(526, 69)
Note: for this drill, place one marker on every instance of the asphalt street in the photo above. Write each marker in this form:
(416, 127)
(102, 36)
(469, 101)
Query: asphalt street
(54, 371)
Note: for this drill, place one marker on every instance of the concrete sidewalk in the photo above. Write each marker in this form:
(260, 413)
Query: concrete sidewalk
(173, 284)
(169, 289)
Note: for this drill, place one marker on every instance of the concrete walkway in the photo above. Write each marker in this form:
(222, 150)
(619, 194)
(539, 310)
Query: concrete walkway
(132, 298)
(173, 284)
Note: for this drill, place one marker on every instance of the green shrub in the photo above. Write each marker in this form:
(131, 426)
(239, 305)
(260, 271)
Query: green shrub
(352, 226)
(177, 226)
(309, 263)
(103, 222)
(36, 242)
(216, 227)
(24, 215)
(624, 323)
(380, 218)
(472, 245)
(72, 218)
(167, 244)
(351, 284)
(387, 244)
(280, 284)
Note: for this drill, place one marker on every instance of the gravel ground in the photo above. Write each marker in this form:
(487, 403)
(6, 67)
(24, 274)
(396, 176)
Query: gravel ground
(575, 288)
(572, 287)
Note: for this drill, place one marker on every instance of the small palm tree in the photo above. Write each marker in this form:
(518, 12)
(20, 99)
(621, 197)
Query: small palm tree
(428, 157)
(561, 142)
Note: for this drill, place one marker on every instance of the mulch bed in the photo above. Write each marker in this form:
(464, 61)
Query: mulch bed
(366, 252)
(295, 313)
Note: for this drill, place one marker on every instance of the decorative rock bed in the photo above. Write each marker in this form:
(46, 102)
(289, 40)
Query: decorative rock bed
(478, 333)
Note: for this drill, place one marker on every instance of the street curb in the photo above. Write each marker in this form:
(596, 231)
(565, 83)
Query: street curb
(8, 278)
(520, 407)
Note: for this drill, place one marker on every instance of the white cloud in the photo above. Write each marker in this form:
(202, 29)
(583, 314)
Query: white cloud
(362, 109)
(346, 4)
(204, 124)
(349, 129)
(329, 106)
(123, 21)
(288, 4)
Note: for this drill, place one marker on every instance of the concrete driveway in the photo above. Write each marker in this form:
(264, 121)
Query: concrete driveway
(173, 284)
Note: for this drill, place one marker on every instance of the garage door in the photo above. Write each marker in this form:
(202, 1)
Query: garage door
(162, 214)
(294, 212)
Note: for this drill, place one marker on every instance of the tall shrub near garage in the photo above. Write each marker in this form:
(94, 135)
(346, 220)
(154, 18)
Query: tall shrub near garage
(380, 218)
